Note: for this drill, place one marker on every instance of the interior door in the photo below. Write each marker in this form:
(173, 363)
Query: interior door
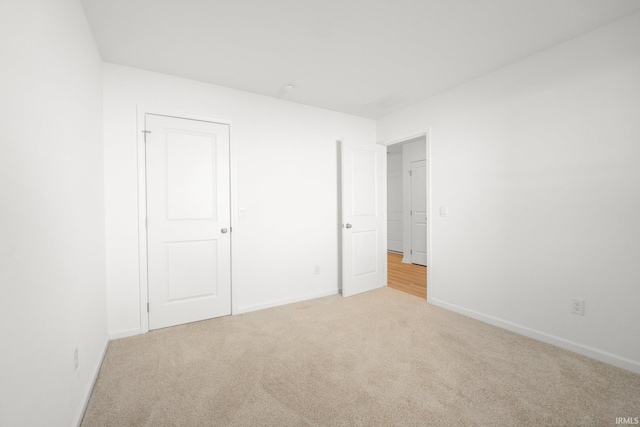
(188, 220)
(364, 235)
(419, 212)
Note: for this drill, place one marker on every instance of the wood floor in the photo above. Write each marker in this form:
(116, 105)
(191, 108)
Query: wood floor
(409, 278)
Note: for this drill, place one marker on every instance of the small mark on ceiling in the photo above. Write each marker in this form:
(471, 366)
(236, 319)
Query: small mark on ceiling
(389, 100)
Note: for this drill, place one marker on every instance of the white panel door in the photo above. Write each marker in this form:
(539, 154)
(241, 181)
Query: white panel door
(419, 212)
(364, 261)
(188, 220)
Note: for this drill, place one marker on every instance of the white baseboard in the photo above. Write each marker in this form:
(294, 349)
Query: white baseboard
(406, 261)
(243, 309)
(271, 304)
(125, 334)
(87, 393)
(585, 350)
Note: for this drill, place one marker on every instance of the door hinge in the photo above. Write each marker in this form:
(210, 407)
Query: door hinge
(410, 173)
(410, 213)
(146, 223)
(411, 251)
(147, 307)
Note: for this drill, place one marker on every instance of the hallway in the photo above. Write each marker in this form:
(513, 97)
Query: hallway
(409, 278)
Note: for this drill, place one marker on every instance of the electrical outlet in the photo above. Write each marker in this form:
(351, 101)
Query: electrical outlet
(577, 306)
(316, 269)
(75, 360)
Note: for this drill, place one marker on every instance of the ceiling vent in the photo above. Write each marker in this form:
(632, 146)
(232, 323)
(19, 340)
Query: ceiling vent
(389, 100)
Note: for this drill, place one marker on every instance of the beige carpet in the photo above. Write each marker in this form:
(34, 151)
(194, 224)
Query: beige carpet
(383, 358)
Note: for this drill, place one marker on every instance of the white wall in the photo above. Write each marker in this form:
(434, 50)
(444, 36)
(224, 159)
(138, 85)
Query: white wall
(52, 268)
(538, 164)
(412, 151)
(285, 158)
(394, 202)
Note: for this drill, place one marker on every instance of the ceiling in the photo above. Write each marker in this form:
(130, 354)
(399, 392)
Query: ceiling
(362, 57)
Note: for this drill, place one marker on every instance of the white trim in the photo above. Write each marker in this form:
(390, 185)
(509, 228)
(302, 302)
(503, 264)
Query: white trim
(179, 114)
(429, 212)
(585, 350)
(407, 137)
(339, 225)
(141, 112)
(234, 224)
(126, 334)
(404, 138)
(142, 219)
(277, 303)
(89, 390)
(385, 219)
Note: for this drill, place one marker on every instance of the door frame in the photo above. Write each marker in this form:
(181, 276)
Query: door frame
(141, 112)
(426, 133)
(411, 204)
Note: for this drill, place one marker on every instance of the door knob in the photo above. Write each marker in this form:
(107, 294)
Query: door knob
(348, 225)
(223, 231)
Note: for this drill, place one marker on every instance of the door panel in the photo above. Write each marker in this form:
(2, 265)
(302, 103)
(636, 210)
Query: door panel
(363, 178)
(191, 270)
(365, 250)
(191, 184)
(363, 218)
(419, 212)
(188, 206)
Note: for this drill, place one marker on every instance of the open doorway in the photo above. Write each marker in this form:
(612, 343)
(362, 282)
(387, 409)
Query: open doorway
(407, 215)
